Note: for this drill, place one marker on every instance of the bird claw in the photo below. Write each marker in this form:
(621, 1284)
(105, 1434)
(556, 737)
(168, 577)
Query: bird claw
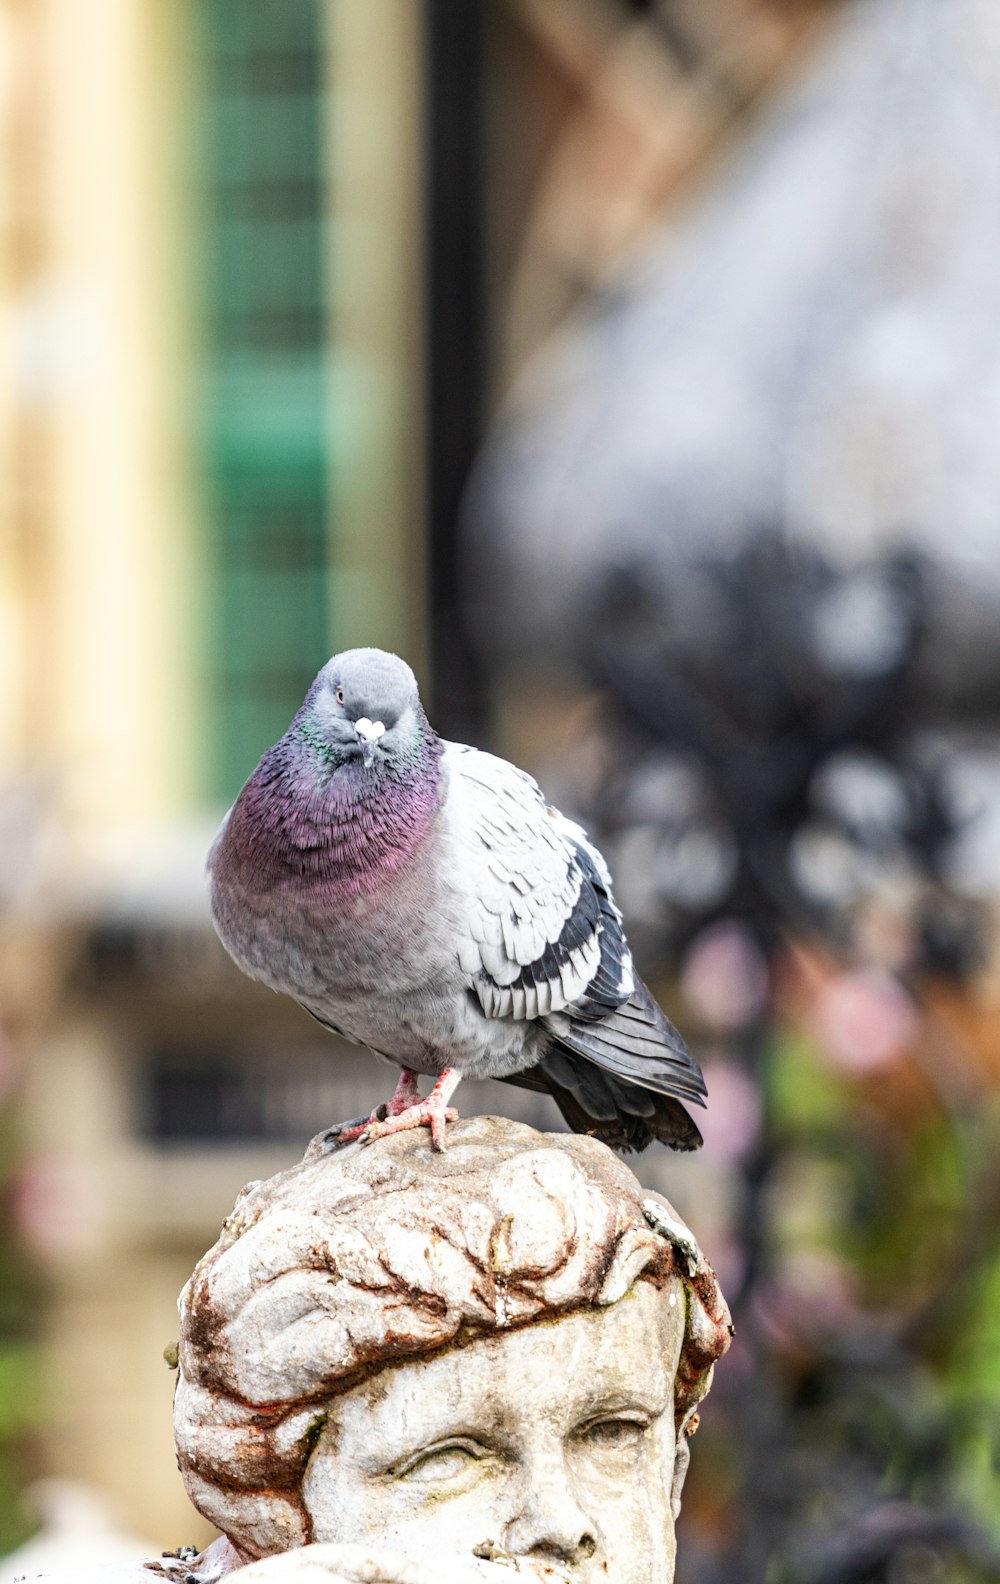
(345, 1133)
(424, 1114)
(348, 1132)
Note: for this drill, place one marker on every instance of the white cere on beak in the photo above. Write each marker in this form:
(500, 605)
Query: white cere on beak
(369, 733)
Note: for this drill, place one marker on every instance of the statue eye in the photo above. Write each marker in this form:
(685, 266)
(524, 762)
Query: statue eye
(339, 695)
(615, 1435)
(442, 1462)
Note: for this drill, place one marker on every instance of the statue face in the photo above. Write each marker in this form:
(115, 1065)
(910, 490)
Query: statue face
(556, 1441)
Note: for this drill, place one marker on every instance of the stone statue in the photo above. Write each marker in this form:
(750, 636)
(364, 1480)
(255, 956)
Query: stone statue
(444, 1367)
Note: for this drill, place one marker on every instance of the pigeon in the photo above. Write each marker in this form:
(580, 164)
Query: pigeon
(423, 899)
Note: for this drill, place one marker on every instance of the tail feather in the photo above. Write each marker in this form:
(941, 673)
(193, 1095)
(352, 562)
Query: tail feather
(595, 1102)
(636, 1042)
(639, 1064)
(621, 1078)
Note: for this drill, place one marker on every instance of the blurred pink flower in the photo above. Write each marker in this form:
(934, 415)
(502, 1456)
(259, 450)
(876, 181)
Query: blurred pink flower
(815, 1293)
(725, 978)
(731, 1124)
(55, 1207)
(864, 1019)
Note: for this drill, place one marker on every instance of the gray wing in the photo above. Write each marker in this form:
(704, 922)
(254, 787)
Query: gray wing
(544, 936)
(543, 932)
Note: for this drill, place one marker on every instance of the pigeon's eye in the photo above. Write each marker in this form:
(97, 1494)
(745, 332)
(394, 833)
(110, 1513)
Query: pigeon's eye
(339, 695)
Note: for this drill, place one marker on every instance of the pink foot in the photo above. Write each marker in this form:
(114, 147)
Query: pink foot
(433, 1112)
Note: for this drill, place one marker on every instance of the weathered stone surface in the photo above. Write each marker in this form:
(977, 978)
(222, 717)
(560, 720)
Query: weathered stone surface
(498, 1351)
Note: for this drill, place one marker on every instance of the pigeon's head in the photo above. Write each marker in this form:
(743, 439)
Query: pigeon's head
(364, 704)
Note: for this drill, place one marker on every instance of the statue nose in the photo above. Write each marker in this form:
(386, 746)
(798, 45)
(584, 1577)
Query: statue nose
(550, 1523)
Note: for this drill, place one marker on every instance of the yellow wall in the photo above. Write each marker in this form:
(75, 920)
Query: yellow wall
(97, 547)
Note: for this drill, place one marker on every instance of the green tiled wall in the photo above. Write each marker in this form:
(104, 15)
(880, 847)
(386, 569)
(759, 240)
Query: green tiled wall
(262, 409)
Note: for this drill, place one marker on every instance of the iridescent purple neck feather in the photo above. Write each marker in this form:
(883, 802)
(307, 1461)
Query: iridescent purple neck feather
(311, 814)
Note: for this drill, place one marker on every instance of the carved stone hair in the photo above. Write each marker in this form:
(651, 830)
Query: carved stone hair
(365, 1257)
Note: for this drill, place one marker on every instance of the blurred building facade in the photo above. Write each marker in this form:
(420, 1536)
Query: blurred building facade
(210, 426)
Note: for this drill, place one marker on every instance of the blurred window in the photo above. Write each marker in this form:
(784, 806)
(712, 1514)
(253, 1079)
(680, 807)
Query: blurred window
(233, 1094)
(261, 147)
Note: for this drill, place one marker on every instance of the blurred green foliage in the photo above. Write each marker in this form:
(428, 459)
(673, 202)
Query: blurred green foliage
(21, 1391)
(884, 1189)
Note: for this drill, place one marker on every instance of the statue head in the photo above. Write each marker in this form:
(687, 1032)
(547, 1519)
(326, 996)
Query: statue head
(499, 1350)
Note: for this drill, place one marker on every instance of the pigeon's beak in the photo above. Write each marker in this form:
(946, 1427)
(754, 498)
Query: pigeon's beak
(368, 733)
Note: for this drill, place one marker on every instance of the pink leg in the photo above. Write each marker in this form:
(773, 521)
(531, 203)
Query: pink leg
(406, 1094)
(433, 1112)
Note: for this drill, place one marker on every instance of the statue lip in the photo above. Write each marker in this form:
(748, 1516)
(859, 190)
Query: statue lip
(538, 1567)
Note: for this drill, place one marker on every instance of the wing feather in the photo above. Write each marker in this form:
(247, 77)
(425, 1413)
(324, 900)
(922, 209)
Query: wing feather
(544, 933)
(545, 942)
